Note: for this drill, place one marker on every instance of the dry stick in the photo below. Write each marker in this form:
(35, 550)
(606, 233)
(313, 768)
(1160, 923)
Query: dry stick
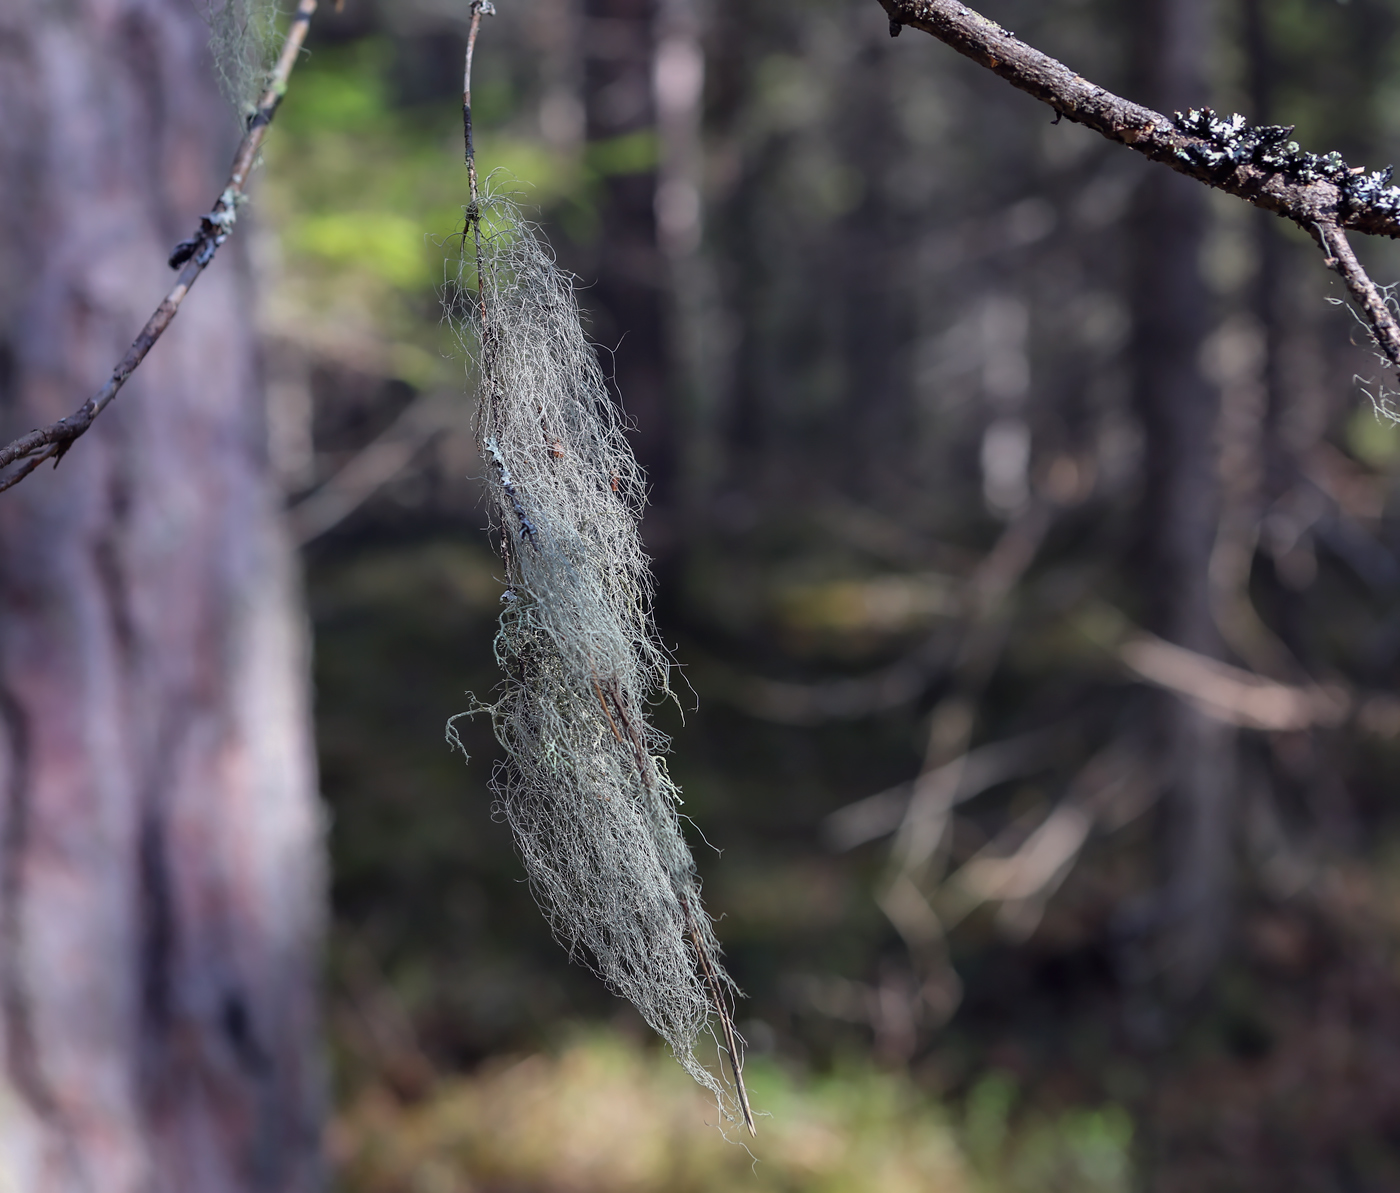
(195, 254)
(480, 8)
(1322, 195)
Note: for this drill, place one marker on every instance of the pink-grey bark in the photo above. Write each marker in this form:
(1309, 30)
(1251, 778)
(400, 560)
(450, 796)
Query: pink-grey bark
(160, 884)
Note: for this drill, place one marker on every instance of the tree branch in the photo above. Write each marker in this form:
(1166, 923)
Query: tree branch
(1258, 163)
(1363, 290)
(191, 257)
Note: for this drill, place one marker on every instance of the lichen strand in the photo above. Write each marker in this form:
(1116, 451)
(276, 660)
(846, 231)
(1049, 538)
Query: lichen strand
(1225, 144)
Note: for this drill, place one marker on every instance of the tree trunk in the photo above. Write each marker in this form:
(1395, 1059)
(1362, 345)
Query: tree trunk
(160, 883)
(1179, 407)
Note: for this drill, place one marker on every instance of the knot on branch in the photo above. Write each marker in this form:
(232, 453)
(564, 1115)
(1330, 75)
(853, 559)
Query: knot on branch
(214, 229)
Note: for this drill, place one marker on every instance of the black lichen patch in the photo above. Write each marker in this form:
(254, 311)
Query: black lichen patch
(1227, 143)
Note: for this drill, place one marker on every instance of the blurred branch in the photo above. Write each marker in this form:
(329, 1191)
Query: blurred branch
(1257, 163)
(951, 725)
(1112, 790)
(907, 678)
(818, 703)
(194, 255)
(980, 769)
(922, 832)
(1238, 697)
(1231, 694)
(370, 469)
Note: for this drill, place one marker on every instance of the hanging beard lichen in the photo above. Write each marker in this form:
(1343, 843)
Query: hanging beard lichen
(243, 40)
(585, 791)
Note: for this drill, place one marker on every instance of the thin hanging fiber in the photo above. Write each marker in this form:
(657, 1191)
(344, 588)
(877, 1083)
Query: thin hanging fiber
(584, 788)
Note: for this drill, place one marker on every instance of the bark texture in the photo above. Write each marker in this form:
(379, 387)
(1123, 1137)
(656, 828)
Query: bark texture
(160, 887)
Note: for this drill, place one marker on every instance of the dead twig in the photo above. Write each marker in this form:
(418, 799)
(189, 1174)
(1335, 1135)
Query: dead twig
(480, 8)
(1113, 789)
(191, 257)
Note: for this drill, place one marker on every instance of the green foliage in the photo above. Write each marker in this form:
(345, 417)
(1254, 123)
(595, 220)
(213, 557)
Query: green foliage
(367, 196)
(1078, 1151)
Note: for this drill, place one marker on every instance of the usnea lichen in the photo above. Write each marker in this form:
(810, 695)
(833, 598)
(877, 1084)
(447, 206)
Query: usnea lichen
(585, 788)
(243, 39)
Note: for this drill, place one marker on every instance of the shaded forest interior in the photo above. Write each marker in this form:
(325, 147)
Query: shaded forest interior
(1029, 550)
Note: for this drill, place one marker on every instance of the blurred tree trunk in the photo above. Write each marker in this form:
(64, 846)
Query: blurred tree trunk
(870, 256)
(1179, 407)
(1270, 278)
(627, 306)
(694, 345)
(160, 883)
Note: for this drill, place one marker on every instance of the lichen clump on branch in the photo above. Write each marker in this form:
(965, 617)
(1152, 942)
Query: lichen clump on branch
(243, 39)
(585, 788)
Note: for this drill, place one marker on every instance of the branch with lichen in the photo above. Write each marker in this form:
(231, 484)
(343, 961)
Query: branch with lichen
(1261, 164)
(191, 257)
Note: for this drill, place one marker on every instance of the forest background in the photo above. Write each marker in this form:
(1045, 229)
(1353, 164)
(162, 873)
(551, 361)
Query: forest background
(944, 406)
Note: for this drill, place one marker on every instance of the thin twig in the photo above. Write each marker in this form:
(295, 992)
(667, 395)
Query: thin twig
(607, 712)
(1260, 164)
(731, 1043)
(194, 254)
(28, 466)
(480, 8)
